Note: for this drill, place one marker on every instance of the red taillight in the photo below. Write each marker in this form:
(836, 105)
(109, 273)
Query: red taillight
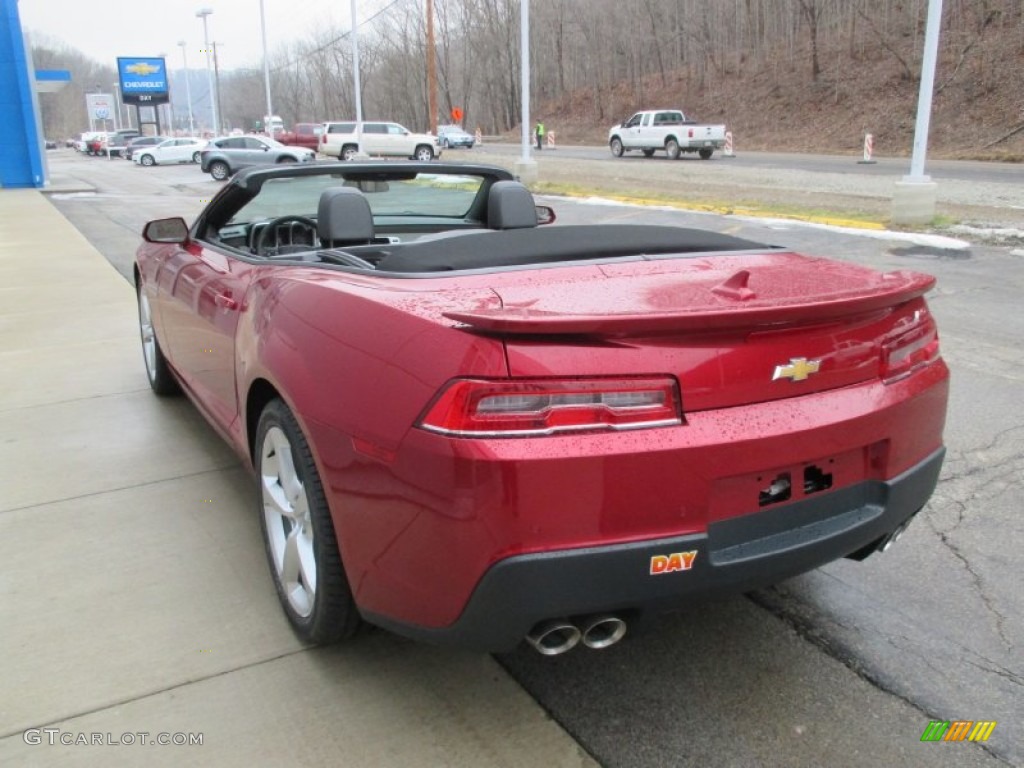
(911, 349)
(529, 407)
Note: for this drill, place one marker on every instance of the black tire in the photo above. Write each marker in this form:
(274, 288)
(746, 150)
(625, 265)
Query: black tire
(349, 152)
(705, 154)
(197, 156)
(161, 380)
(219, 170)
(286, 160)
(329, 614)
(147, 160)
(616, 146)
(648, 153)
(444, 143)
(423, 153)
(672, 149)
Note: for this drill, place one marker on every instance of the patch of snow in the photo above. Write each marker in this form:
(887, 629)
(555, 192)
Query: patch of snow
(917, 238)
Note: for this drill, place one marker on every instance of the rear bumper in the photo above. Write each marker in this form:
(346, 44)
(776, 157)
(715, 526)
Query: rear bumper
(735, 554)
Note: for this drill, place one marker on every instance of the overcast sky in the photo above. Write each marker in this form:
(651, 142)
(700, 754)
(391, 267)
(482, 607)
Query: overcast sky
(104, 30)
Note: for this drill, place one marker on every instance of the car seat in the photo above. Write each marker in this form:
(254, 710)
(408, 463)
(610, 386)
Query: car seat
(344, 218)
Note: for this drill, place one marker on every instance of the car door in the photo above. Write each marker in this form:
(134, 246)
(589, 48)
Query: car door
(399, 144)
(256, 152)
(375, 139)
(631, 131)
(201, 295)
(183, 149)
(652, 128)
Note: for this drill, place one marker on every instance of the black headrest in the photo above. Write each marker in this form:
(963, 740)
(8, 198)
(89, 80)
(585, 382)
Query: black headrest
(510, 206)
(343, 217)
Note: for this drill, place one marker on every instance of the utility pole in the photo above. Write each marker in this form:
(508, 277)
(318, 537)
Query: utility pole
(431, 70)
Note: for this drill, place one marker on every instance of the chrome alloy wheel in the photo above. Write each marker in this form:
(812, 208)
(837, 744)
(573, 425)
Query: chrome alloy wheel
(289, 525)
(148, 336)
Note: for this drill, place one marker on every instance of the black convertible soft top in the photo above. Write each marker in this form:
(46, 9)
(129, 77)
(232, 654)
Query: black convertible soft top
(546, 245)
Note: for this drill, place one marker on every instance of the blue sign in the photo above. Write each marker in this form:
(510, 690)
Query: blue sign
(143, 80)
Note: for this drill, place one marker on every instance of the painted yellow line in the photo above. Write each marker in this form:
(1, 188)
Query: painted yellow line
(736, 210)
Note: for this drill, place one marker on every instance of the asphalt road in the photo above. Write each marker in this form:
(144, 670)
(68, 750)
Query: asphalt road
(842, 666)
(961, 170)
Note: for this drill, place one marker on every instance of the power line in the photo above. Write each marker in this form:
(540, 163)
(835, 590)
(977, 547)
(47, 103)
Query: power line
(339, 38)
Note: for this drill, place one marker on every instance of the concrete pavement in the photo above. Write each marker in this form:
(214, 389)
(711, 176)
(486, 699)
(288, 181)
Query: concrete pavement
(134, 596)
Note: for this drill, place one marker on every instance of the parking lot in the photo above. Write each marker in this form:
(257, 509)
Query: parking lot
(136, 597)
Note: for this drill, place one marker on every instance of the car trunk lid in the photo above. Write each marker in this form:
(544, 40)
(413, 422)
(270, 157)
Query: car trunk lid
(733, 329)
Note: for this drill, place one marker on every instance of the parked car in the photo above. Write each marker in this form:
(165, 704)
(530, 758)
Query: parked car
(183, 150)
(117, 141)
(468, 428)
(303, 135)
(96, 142)
(84, 139)
(665, 129)
(378, 139)
(139, 142)
(227, 155)
(449, 136)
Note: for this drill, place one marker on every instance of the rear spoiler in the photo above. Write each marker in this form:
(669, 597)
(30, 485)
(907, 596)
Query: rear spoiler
(715, 315)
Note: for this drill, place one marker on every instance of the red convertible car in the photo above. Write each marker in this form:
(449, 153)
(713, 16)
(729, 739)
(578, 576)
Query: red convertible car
(470, 425)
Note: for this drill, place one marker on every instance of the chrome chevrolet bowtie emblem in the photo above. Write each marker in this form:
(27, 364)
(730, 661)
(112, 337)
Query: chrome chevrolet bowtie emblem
(797, 369)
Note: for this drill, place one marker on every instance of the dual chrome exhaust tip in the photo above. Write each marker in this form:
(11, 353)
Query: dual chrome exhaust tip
(556, 636)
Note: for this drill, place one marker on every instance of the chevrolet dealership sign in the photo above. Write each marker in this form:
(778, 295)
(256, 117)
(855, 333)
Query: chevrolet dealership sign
(143, 81)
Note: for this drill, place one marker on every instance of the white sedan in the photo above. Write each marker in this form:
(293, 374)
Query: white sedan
(184, 150)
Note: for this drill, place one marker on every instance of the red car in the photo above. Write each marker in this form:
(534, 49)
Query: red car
(469, 428)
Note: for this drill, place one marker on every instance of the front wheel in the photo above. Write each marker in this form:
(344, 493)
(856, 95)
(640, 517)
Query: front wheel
(672, 149)
(616, 146)
(161, 380)
(705, 154)
(298, 532)
(219, 170)
(147, 160)
(424, 153)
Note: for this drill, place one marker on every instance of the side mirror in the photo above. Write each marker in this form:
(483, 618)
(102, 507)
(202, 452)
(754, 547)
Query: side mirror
(165, 231)
(545, 214)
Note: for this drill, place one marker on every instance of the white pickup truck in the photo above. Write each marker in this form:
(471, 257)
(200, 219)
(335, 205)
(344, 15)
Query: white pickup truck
(666, 129)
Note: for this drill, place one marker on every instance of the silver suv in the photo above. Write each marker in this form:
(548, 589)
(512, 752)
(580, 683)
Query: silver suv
(379, 139)
(223, 156)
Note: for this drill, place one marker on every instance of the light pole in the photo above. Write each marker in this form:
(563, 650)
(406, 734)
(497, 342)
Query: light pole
(266, 67)
(202, 13)
(117, 107)
(355, 75)
(188, 88)
(216, 80)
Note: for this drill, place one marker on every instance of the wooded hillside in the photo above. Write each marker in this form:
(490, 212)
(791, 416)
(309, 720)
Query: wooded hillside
(786, 74)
